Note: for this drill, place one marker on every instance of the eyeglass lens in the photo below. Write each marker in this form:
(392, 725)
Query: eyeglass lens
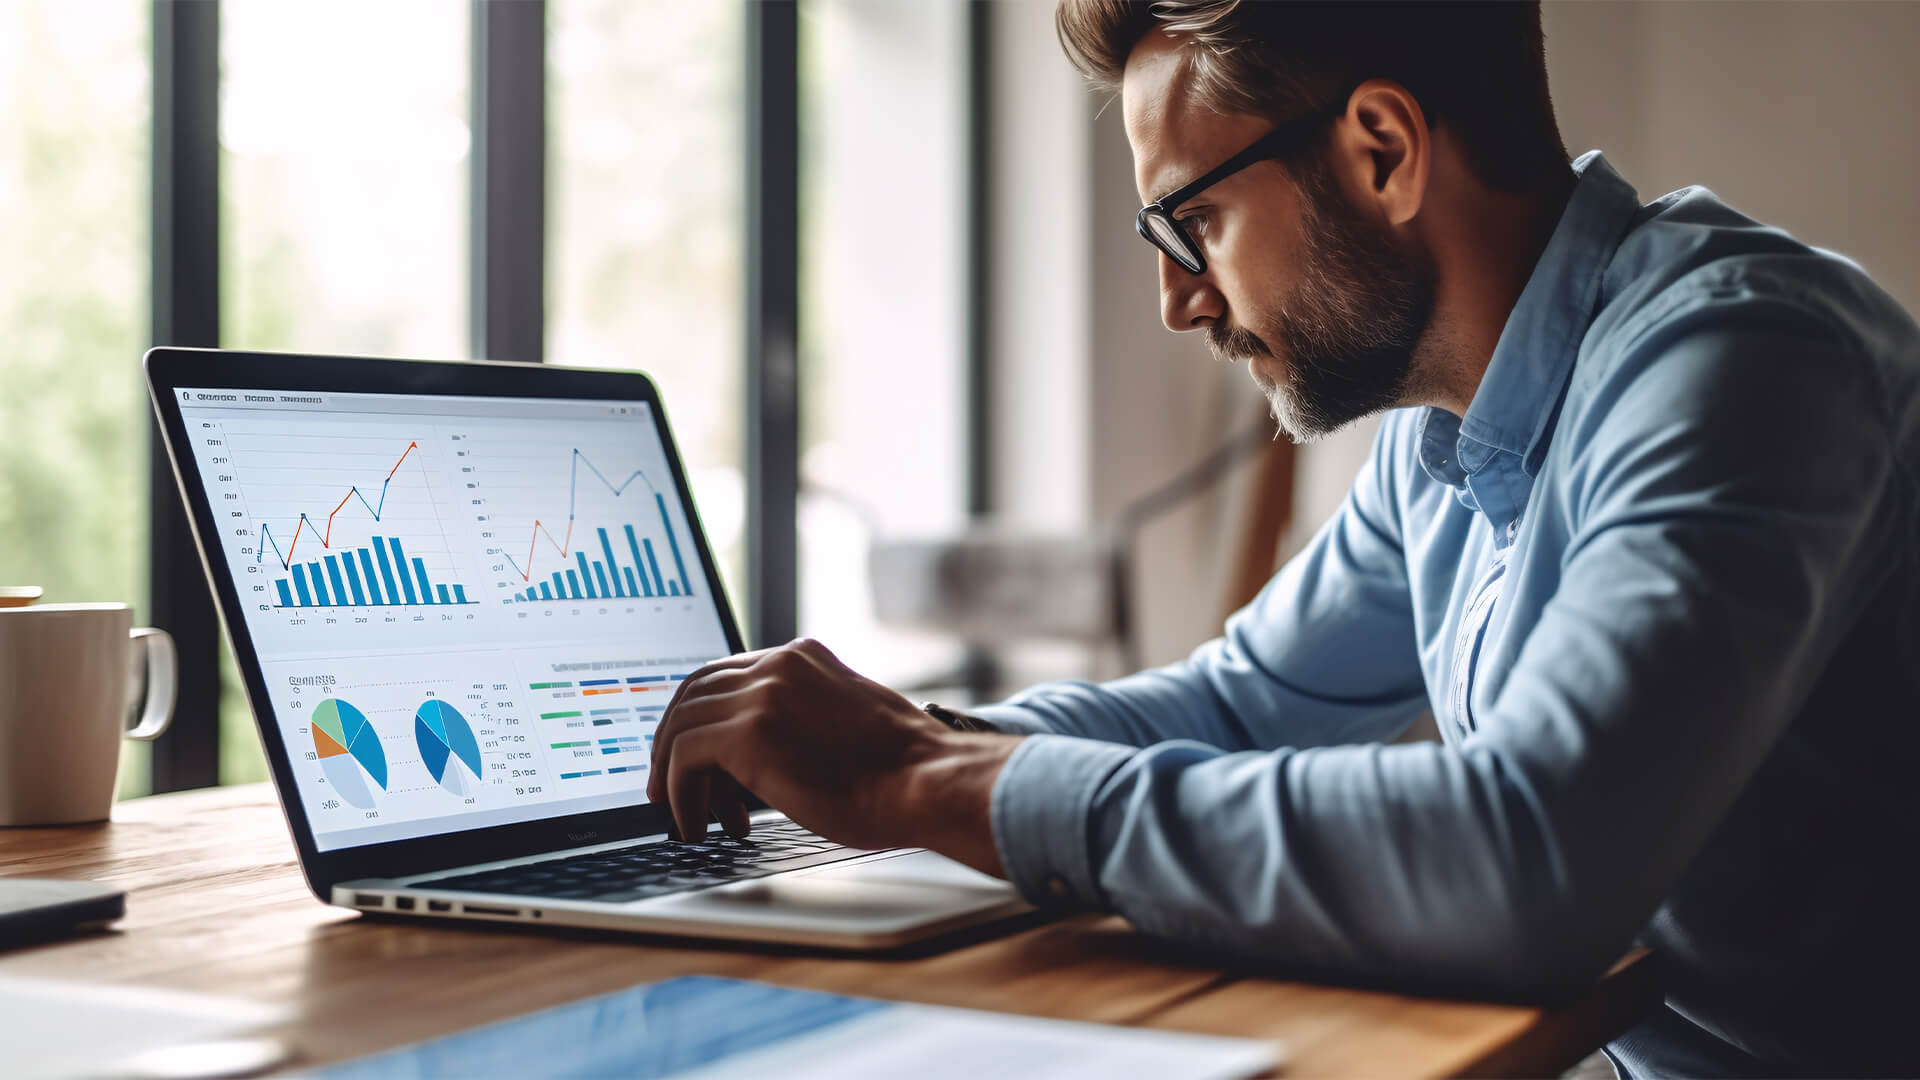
(1169, 238)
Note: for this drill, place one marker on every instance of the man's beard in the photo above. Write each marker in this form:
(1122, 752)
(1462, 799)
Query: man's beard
(1350, 327)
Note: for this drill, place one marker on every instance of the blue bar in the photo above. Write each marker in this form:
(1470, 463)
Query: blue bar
(606, 547)
(400, 560)
(443, 594)
(531, 595)
(459, 594)
(426, 590)
(300, 583)
(686, 586)
(559, 587)
(632, 589)
(600, 574)
(545, 593)
(366, 574)
(573, 585)
(585, 574)
(673, 588)
(654, 563)
(646, 589)
(320, 597)
(333, 575)
(286, 598)
(599, 682)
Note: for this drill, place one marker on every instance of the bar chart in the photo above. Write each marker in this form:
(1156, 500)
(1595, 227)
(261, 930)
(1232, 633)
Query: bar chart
(627, 566)
(349, 580)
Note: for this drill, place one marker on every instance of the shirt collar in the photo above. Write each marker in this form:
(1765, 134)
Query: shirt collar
(1519, 396)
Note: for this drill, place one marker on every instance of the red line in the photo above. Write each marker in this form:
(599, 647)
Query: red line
(327, 540)
(533, 544)
(296, 540)
(403, 457)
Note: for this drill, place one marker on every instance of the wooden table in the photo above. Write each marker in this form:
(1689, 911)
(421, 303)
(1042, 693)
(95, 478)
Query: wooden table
(216, 904)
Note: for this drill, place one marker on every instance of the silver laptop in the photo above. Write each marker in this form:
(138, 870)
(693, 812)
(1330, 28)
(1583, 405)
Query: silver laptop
(462, 596)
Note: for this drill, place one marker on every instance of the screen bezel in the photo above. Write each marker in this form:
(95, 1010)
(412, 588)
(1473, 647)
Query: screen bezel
(170, 369)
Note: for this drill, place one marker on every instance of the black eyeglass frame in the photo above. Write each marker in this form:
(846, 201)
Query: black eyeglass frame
(1174, 240)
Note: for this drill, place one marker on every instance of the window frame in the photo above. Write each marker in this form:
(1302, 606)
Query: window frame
(507, 283)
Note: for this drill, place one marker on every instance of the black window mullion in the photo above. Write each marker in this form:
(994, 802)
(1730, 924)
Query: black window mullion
(773, 316)
(508, 193)
(185, 294)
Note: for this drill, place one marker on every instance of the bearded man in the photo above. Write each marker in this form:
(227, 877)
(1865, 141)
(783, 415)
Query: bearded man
(1639, 528)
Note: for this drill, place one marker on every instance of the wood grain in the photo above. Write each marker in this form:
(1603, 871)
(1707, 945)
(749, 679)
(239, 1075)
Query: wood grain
(216, 903)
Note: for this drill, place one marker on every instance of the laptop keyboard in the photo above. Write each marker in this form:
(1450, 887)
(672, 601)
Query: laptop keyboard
(669, 866)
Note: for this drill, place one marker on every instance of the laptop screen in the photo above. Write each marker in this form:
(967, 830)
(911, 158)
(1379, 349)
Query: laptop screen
(468, 611)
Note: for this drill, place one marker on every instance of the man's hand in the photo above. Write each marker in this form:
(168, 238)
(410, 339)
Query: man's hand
(840, 754)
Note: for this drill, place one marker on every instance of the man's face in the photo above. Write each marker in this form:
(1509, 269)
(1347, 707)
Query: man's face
(1324, 303)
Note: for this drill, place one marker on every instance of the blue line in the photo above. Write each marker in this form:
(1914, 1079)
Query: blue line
(266, 533)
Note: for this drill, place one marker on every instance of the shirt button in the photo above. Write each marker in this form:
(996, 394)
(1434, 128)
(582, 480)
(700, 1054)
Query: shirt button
(1058, 886)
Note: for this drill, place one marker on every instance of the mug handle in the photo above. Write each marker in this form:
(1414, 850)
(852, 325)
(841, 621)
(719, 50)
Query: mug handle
(163, 683)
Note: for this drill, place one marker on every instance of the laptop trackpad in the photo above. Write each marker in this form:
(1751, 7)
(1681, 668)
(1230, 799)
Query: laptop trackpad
(900, 891)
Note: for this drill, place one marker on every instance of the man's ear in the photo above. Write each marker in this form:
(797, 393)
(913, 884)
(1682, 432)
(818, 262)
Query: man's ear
(1382, 150)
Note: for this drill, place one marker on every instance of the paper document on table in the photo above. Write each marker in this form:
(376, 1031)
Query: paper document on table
(54, 1029)
(701, 1028)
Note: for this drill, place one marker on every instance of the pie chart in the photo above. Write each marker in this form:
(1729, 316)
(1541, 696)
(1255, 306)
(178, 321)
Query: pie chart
(444, 736)
(348, 746)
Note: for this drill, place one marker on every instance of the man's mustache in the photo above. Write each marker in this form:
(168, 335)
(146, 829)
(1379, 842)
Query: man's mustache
(1235, 343)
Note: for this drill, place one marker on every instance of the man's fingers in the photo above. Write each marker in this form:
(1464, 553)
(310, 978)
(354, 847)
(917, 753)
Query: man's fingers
(689, 779)
(701, 675)
(707, 709)
(729, 802)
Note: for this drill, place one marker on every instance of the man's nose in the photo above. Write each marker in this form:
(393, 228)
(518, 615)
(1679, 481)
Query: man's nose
(1187, 301)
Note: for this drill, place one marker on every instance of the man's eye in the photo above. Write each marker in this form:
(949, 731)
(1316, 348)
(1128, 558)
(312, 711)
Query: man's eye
(1196, 224)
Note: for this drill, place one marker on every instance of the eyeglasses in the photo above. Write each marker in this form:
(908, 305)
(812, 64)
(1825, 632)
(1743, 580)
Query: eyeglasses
(1156, 224)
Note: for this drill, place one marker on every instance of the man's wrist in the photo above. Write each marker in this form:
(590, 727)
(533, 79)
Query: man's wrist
(949, 798)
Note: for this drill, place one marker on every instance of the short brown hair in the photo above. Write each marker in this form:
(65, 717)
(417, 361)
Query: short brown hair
(1479, 68)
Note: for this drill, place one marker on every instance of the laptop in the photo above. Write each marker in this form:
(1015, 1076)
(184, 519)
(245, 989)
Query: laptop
(461, 596)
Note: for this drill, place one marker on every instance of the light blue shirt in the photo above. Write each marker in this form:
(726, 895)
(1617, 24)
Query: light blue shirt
(1659, 587)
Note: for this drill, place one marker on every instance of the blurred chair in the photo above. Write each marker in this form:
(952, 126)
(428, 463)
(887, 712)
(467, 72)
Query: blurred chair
(991, 585)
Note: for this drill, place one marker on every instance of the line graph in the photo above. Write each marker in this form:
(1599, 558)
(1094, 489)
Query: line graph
(347, 578)
(605, 578)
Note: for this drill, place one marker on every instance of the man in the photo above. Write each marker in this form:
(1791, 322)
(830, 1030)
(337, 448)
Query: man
(1640, 530)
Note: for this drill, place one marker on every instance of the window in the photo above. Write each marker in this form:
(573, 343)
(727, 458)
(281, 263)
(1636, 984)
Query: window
(344, 164)
(73, 303)
(340, 151)
(645, 163)
(883, 307)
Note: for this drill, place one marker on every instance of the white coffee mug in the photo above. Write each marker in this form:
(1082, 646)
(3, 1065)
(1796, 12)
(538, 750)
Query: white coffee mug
(68, 685)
